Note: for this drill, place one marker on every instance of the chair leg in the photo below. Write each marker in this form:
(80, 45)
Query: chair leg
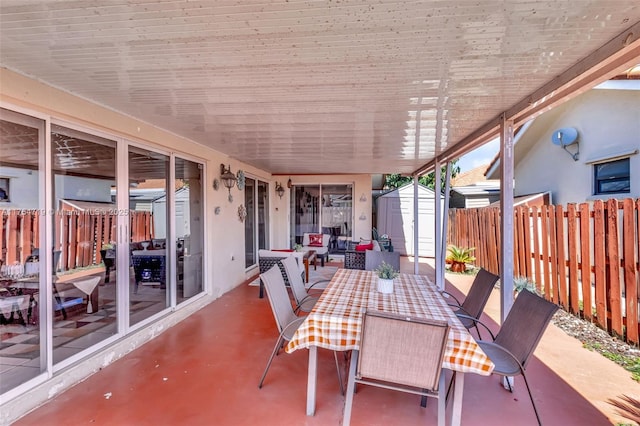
(335, 355)
(276, 348)
(453, 378)
(535, 409)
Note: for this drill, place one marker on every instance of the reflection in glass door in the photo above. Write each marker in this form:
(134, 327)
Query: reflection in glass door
(148, 213)
(84, 291)
(305, 211)
(22, 349)
(189, 228)
(255, 224)
(327, 209)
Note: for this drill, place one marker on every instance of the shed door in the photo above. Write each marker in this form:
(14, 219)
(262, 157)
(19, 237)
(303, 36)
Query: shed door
(395, 218)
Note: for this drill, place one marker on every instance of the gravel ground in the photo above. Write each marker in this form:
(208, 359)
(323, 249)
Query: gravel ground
(592, 336)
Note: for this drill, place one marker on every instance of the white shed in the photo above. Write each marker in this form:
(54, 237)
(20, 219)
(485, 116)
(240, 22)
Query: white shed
(395, 218)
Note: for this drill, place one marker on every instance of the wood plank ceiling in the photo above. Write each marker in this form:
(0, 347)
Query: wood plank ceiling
(309, 86)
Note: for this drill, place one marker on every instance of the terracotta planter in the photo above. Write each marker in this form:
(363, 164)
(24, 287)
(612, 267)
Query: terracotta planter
(458, 267)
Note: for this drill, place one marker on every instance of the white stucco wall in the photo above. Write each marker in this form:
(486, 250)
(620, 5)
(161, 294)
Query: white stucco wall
(607, 121)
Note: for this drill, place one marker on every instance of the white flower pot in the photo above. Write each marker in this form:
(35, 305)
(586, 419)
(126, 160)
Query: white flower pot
(385, 285)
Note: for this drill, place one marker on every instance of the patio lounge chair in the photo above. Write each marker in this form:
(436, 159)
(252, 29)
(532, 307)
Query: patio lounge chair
(403, 354)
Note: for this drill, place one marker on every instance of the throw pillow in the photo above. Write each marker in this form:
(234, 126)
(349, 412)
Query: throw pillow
(364, 247)
(315, 240)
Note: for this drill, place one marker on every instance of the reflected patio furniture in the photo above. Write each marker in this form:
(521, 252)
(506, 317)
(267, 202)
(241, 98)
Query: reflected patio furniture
(402, 353)
(149, 266)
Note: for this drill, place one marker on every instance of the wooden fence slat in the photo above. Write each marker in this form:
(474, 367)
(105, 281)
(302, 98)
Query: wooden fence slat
(614, 266)
(63, 221)
(526, 228)
(518, 258)
(599, 260)
(73, 239)
(585, 260)
(26, 242)
(537, 278)
(572, 257)
(546, 262)
(562, 269)
(494, 218)
(553, 252)
(630, 279)
(12, 237)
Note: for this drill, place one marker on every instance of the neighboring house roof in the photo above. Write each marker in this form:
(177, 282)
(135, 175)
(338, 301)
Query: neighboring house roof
(470, 177)
(541, 198)
(490, 189)
(406, 188)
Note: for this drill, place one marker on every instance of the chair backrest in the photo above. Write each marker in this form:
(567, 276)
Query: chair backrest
(525, 324)
(278, 297)
(479, 293)
(295, 279)
(402, 350)
(373, 259)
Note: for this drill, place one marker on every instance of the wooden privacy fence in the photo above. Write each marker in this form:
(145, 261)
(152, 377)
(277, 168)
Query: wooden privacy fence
(78, 235)
(584, 257)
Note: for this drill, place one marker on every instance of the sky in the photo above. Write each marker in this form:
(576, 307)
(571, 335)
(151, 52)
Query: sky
(479, 156)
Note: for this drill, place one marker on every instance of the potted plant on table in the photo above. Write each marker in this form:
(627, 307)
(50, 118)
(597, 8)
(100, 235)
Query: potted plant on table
(386, 274)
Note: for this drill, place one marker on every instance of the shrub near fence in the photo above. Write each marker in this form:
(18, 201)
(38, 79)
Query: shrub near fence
(79, 235)
(584, 257)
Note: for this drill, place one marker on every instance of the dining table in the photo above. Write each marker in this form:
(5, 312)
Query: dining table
(335, 323)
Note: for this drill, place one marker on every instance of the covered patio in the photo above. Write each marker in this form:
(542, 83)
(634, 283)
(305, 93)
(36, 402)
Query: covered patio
(206, 369)
(288, 94)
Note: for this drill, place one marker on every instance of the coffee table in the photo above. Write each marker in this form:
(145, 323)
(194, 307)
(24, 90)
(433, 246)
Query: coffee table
(308, 257)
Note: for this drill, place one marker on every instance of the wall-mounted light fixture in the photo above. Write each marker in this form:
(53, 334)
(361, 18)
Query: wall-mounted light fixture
(566, 137)
(289, 183)
(228, 178)
(279, 190)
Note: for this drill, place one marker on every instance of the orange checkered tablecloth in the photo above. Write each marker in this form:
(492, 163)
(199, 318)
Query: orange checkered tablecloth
(336, 320)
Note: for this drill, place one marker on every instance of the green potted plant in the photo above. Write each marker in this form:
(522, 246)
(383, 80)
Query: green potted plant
(459, 257)
(386, 274)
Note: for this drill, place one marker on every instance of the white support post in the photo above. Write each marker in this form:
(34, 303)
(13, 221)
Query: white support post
(506, 216)
(445, 221)
(416, 233)
(438, 223)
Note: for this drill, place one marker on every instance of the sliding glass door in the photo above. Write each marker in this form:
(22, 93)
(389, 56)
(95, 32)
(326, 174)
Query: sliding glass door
(327, 209)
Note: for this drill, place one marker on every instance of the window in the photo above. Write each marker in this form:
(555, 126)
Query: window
(4, 189)
(612, 177)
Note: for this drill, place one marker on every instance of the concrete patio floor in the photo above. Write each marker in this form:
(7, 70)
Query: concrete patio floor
(205, 371)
